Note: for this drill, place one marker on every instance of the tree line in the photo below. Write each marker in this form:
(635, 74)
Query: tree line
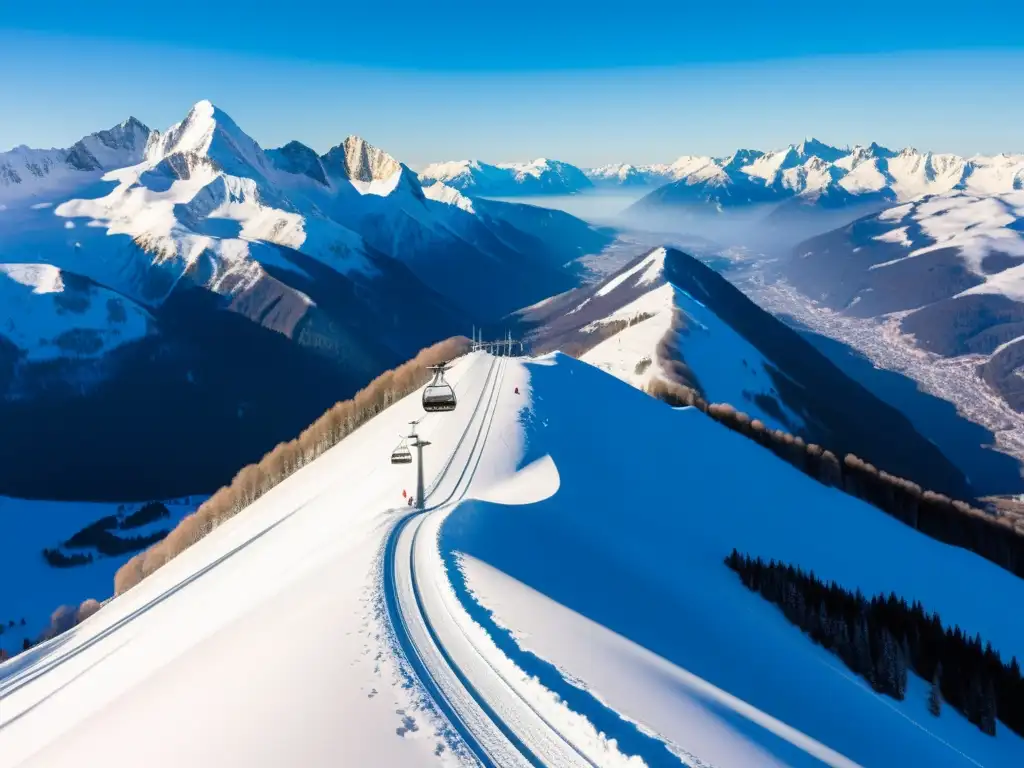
(882, 638)
(950, 521)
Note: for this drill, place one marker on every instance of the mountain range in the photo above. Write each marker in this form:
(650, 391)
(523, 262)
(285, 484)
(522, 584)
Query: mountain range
(813, 174)
(159, 287)
(807, 173)
(540, 177)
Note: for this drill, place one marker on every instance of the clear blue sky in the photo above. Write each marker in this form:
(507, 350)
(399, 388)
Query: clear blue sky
(642, 82)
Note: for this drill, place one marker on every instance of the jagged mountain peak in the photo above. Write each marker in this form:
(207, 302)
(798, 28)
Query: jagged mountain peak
(296, 157)
(811, 147)
(358, 160)
(741, 158)
(209, 131)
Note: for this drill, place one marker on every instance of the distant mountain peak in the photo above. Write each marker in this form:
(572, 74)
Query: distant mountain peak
(811, 147)
(540, 176)
(296, 157)
(358, 160)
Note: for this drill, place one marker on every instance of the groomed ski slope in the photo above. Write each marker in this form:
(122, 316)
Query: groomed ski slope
(562, 601)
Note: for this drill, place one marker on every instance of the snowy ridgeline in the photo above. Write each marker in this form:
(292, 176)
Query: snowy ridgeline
(580, 580)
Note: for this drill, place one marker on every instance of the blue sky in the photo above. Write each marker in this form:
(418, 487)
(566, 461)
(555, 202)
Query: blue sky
(547, 79)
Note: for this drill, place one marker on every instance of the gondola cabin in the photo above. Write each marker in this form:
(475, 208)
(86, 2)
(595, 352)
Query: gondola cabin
(438, 394)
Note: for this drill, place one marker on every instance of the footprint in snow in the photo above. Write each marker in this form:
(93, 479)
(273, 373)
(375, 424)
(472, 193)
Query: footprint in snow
(408, 724)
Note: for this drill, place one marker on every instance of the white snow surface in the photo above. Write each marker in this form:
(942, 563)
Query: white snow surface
(579, 591)
(729, 368)
(621, 354)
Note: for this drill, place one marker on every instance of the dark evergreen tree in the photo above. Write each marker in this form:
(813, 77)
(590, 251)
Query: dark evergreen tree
(934, 696)
(987, 710)
(862, 663)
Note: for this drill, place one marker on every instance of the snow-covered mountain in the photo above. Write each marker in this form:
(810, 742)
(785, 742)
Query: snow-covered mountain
(628, 175)
(163, 285)
(815, 174)
(541, 177)
(949, 268)
(563, 601)
(669, 316)
(25, 172)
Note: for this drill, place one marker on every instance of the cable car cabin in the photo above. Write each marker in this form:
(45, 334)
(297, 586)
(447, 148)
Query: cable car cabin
(439, 397)
(401, 455)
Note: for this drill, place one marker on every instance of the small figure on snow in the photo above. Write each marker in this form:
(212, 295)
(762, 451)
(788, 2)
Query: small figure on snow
(517, 390)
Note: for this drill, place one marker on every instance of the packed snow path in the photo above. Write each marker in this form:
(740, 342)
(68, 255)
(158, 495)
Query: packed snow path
(498, 723)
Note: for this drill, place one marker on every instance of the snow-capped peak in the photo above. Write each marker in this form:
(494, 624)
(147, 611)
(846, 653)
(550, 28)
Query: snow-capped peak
(27, 173)
(813, 148)
(541, 176)
(208, 131)
(361, 161)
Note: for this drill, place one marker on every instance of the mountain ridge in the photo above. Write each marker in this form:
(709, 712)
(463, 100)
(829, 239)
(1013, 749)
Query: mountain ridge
(666, 315)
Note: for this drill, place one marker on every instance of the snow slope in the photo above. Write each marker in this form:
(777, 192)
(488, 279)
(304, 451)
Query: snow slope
(558, 603)
(976, 226)
(612, 591)
(728, 367)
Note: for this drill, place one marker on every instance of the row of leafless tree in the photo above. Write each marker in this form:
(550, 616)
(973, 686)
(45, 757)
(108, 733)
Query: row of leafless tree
(254, 480)
(992, 536)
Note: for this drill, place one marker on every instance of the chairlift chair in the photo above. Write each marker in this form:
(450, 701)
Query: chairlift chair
(402, 454)
(438, 394)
